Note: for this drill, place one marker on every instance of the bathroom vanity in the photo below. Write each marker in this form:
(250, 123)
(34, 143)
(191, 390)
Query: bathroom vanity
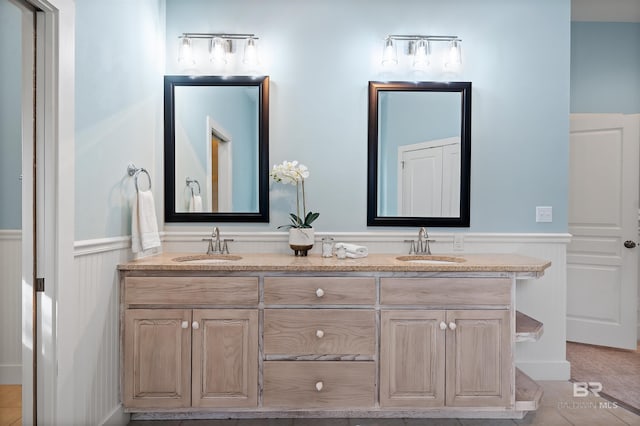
(273, 335)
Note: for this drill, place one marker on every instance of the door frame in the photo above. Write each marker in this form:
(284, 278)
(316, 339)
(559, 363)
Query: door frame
(55, 23)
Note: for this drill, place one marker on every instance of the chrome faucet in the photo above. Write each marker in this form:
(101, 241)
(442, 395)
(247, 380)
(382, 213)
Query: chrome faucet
(216, 246)
(422, 245)
(214, 242)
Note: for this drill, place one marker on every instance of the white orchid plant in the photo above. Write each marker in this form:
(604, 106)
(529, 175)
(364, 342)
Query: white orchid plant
(291, 172)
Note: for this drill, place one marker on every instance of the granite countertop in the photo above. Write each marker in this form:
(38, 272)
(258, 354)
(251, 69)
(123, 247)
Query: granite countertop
(316, 263)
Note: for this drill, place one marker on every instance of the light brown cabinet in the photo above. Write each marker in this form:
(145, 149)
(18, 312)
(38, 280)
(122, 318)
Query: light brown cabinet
(157, 358)
(446, 357)
(319, 343)
(282, 344)
(181, 358)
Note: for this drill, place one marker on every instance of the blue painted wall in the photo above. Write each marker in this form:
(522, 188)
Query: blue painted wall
(10, 116)
(119, 78)
(318, 102)
(605, 67)
(321, 54)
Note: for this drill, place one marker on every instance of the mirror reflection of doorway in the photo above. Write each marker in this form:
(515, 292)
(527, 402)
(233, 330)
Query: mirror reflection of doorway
(428, 175)
(215, 145)
(219, 168)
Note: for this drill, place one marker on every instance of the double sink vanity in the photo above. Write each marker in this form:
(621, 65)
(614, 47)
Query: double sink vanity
(273, 335)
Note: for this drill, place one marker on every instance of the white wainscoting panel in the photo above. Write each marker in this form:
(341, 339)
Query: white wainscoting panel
(10, 307)
(543, 298)
(97, 342)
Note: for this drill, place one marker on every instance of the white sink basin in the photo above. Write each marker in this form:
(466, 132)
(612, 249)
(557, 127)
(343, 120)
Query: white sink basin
(207, 258)
(431, 259)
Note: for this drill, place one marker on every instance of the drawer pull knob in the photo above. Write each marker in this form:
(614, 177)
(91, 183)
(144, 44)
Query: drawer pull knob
(195, 325)
(319, 292)
(319, 334)
(452, 325)
(443, 325)
(319, 386)
(185, 324)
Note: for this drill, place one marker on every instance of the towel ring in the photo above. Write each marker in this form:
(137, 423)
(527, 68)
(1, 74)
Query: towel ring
(132, 170)
(190, 183)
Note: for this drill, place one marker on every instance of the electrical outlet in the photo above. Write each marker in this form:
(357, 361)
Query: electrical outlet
(544, 214)
(458, 242)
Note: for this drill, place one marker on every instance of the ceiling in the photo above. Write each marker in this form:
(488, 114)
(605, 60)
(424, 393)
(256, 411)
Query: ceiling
(605, 10)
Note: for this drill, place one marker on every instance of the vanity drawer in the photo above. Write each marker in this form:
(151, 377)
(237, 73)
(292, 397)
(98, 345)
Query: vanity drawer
(445, 291)
(230, 291)
(342, 384)
(319, 332)
(319, 290)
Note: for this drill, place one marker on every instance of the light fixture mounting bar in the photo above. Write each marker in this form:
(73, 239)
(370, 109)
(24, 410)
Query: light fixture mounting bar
(423, 37)
(227, 36)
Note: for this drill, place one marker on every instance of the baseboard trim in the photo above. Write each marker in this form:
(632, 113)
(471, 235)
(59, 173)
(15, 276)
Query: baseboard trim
(546, 370)
(11, 374)
(117, 417)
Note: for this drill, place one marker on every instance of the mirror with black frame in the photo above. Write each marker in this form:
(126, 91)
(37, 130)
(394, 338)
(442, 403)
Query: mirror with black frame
(216, 149)
(419, 154)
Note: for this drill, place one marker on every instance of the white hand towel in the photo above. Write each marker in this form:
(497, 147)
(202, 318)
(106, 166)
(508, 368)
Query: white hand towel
(195, 203)
(144, 225)
(354, 251)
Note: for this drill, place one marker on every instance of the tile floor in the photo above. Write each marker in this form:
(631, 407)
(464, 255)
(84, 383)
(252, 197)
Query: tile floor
(558, 408)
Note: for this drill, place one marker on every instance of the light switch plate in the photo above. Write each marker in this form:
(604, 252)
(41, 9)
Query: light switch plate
(458, 242)
(544, 214)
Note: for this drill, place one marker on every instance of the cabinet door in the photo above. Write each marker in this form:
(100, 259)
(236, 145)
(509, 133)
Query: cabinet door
(225, 358)
(412, 359)
(479, 359)
(157, 358)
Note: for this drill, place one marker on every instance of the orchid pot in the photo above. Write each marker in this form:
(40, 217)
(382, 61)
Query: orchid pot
(301, 234)
(301, 240)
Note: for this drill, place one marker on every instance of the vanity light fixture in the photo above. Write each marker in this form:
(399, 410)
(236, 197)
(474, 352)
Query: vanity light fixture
(390, 53)
(218, 51)
(220, 46)
(250, 53)
(455, 54)
(185, 53)
(419, 49)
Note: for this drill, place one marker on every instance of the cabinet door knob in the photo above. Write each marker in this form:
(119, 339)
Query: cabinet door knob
(443, 325)
(319, 334)
(185, 324)
(319, 292)
(195, 325)
(452, 325)
(319, 386)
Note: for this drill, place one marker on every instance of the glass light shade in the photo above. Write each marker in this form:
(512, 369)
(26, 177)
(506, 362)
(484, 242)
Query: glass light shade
(390, 54)
(217, 51)
(250, 53)
(455, 54)
(422, 55)
(185, 52)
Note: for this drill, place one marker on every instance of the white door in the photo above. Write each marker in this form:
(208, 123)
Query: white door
(427, 174)
(421, 182)
(602, 260)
